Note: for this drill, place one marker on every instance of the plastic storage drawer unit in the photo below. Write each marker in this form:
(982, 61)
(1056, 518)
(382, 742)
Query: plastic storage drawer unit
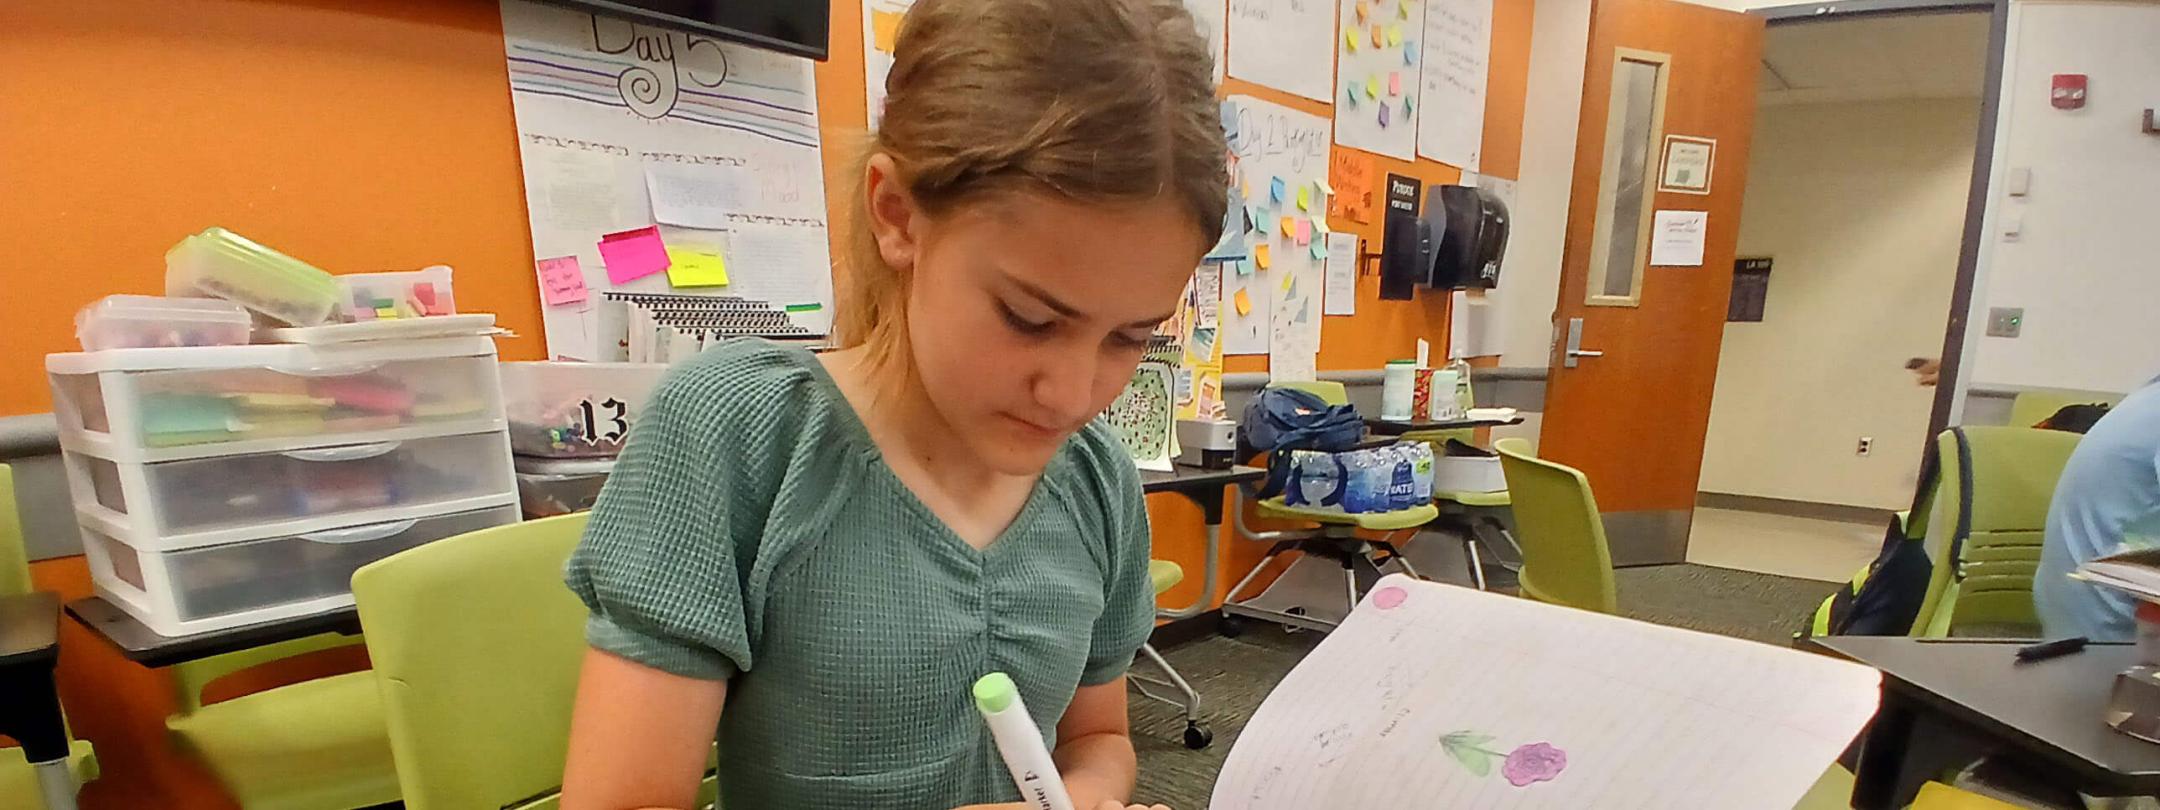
(575, 410)
(148, 321)
(149, 405)
(549, 487)
(214, 587)
(295, 490)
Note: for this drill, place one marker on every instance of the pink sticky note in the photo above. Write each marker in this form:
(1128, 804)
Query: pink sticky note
(1394, 84)
(561, 281)
(632, 255)
(1304, 232)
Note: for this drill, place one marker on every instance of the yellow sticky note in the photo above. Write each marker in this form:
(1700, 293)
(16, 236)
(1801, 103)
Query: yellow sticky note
(696, 267)
(1394, 36)
(1372, 87)
(1349, 40)
(1286, 279)
(1304, 198)
(1260, 256)
(1403, 9)
(1289, 226)
(1244, 303)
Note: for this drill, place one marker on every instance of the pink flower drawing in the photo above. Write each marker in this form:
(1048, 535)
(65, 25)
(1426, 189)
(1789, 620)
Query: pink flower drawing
(1536, 762)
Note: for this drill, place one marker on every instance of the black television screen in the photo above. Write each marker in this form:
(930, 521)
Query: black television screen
(800, 27)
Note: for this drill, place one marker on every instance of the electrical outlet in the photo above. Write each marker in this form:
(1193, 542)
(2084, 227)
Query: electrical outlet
(2005, 322)
(1867, 443)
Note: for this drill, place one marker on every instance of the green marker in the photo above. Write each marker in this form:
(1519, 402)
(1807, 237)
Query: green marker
(1021, 743)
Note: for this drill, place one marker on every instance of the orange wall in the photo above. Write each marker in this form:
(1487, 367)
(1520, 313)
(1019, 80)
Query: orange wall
(366, 135)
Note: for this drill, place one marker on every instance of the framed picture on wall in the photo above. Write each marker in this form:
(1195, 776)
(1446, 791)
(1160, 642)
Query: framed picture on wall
(1688, 163)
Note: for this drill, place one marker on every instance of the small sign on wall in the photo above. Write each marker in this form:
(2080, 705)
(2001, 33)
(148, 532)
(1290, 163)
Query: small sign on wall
(1750, 289)
(1688, 164)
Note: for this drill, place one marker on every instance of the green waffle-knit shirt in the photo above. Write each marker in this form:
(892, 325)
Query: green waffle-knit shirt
(752, 533)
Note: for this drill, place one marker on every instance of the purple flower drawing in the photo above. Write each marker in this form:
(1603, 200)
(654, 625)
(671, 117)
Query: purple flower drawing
(1536, 762)
(1524, 766)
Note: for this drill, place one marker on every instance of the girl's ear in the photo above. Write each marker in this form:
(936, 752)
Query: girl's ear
(894, 218)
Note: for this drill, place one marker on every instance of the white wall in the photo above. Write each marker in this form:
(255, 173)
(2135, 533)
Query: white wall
(1522, 306)
(2086, 265)
(1861, 206)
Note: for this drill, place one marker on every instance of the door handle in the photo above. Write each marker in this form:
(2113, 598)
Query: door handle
(1575, 351)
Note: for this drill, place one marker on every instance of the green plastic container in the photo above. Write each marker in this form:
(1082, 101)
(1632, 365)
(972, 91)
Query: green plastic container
(218, 263)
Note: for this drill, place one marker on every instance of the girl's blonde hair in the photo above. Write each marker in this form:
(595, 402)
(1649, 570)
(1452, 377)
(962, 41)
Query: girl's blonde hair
(1104, 101)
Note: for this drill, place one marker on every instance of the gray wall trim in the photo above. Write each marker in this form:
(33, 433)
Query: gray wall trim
(1815, 510)
(1520, 388)
(1648, 537)
(1806, 12)
(34, 434)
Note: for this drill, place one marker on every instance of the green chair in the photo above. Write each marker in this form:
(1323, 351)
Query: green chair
(1464, 513)
(477, 645)
(18, 780)
(314, 745)
(2031, 406)
(1334, 538)
(1989, 520)
(1565, 560)
(1165, 575)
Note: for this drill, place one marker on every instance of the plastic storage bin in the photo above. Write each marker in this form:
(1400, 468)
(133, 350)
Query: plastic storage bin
(149, 321)
(147, 405)
(575, 410)
(176, 502)
(549, 487)
(388, 296)
(221, 264)
(214, 587)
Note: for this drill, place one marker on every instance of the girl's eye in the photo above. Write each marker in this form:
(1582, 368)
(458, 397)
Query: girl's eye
(1023, 325)
(1126, 341)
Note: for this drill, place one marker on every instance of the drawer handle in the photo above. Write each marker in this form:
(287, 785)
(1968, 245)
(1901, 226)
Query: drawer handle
(345, 370)
(352, 453)
(359, 534)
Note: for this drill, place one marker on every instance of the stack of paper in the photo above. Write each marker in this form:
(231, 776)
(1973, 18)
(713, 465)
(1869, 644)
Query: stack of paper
(2137, 572)
(1432, 695)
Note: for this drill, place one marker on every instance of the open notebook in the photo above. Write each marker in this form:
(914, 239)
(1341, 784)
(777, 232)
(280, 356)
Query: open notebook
(1436, 696)
(2136, 571)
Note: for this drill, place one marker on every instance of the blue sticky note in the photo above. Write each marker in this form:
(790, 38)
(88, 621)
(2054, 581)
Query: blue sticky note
(1254, 216)
(1229, 121)
(1409, 53)
(1319, 248)
(1276, 189)
(1244, 267)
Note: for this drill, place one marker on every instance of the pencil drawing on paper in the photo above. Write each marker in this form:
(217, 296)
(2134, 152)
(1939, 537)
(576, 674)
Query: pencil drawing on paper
(1526, 765)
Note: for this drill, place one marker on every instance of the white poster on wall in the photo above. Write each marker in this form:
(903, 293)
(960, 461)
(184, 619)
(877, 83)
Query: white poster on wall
(624, 127)
(880, 29)
(1458, 53)
(1341, 295)
(1377, 66)
(1284, 44)
(1281, 177)
(1209, 15)
(1677, 238)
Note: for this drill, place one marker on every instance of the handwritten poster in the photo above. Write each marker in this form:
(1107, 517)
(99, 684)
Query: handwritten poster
(1377, 62)
(1294, 327)
(1458, 54)
(1209, 15)
(1356, 183)
(1677, 238)
(628, 127)
(1281, 156)
(1284, 44)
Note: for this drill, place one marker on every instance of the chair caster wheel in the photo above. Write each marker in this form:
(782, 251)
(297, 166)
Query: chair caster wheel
(1230, 626)
(1198, 736)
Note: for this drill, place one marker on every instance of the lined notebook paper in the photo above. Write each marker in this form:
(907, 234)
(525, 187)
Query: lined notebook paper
(1438, 696)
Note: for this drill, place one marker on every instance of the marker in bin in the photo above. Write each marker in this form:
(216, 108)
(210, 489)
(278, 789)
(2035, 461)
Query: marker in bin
(1021, 743)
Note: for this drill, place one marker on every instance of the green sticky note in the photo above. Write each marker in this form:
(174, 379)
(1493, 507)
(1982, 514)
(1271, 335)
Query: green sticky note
(1319, 249)
(805, 307)
(696, 267)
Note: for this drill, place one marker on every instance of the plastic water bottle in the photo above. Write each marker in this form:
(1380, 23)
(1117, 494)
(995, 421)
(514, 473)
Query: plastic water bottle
(1402, 479)
(1364, 482)
(1316, 480)
(1421, 469)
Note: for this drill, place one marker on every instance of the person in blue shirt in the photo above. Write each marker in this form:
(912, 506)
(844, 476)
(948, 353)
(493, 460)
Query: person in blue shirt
(2108, 499)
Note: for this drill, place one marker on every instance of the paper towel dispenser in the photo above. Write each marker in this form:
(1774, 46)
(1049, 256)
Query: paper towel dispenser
(1469, 228)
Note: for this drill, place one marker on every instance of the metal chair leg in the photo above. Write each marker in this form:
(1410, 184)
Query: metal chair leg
(1349, 574)
(1470, 552)
(1197, 734)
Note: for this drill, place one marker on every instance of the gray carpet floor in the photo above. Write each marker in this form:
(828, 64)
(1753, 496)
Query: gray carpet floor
(1234, 675)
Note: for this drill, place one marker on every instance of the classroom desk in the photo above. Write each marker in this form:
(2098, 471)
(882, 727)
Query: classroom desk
(1205, 488)
(29, 700)
(144, 646)
(1398, 427)
(1945, 702)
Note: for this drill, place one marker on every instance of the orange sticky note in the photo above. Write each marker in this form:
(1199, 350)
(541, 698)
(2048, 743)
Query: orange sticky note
(1363, 8)
(1260, 256)
(1394, 83)
(1379, 37)
(1244, 303)
(1289, 226)
(884, 29)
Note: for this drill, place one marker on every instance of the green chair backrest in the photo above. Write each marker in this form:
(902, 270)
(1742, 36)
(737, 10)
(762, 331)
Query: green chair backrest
(190, 678)
(2031, 406)
(1565, 559)
(476, 644)
(1331, 393)
(14, 561)
(1996, 484)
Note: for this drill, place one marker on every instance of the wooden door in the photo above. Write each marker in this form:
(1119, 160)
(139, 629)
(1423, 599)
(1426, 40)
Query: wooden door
(1632, 409)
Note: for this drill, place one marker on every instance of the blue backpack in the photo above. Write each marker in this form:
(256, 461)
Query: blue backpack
(1279, 420)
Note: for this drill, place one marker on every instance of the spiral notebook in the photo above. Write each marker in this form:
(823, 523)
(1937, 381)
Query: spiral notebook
(1438, 696)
